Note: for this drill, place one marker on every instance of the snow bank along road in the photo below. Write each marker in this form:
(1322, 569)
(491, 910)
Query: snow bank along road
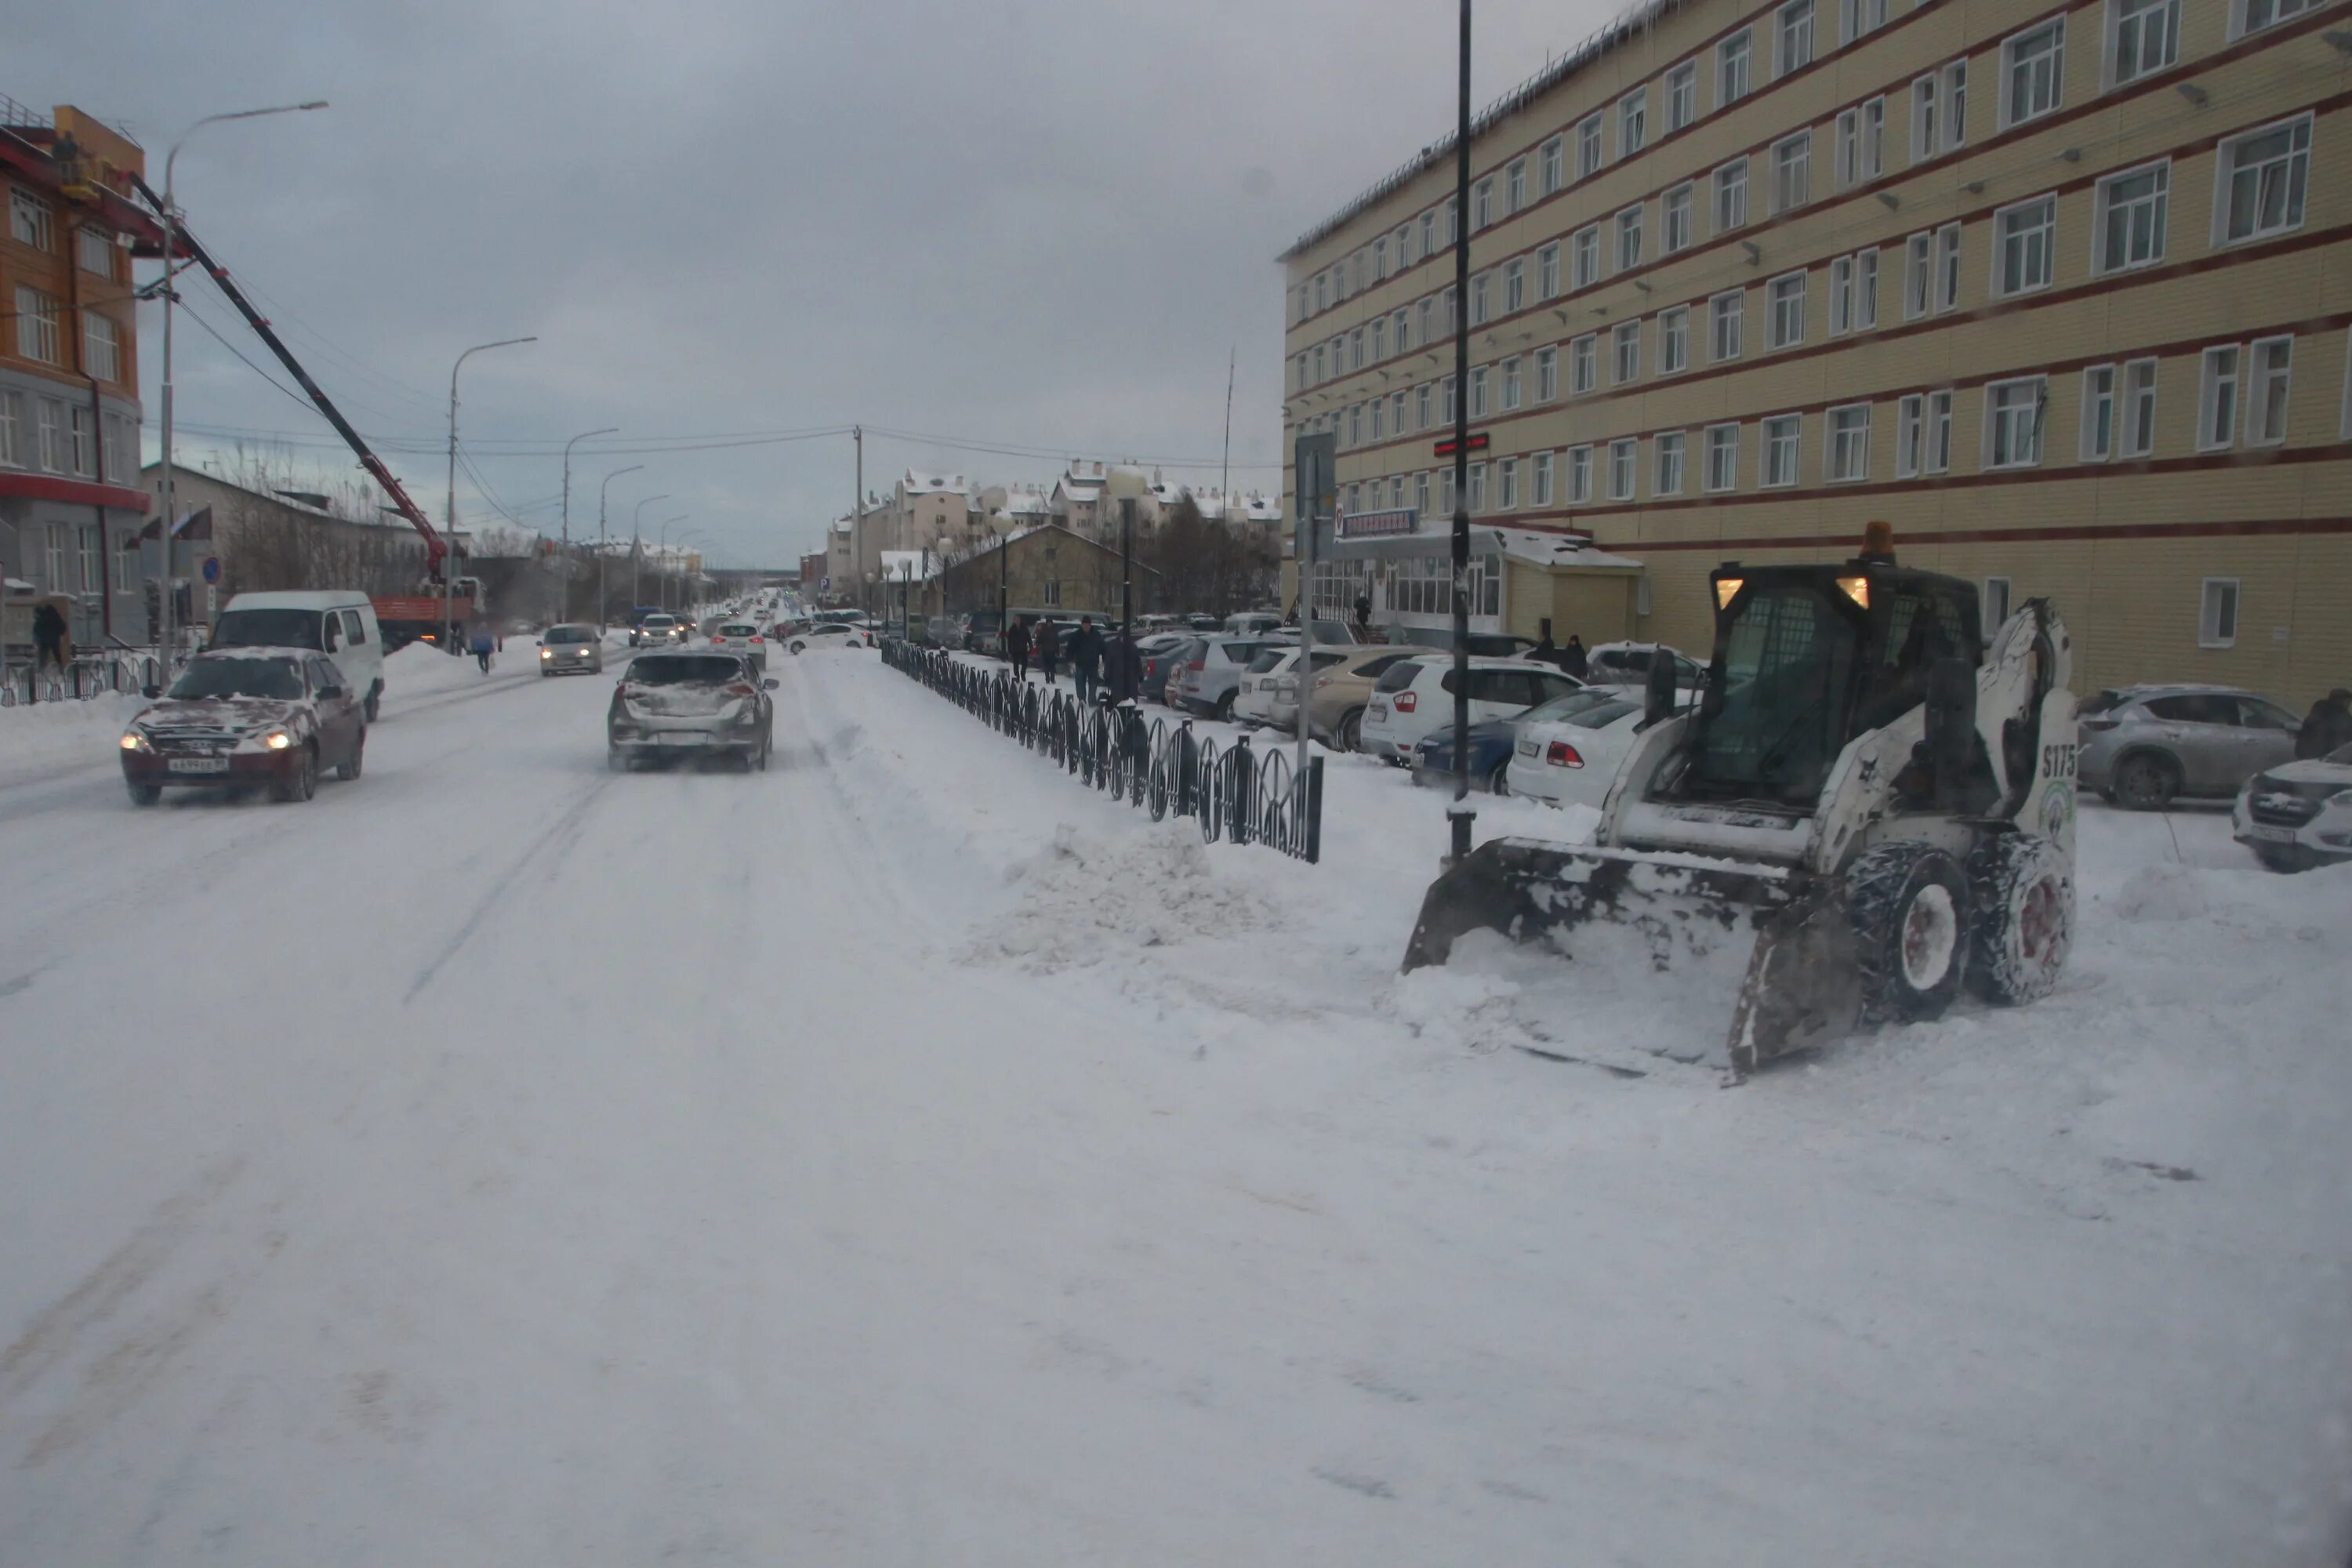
(906, 1157)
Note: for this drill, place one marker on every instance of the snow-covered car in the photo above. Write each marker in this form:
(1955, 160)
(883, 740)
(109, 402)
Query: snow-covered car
(1416, 696)
(247, 718)
(743, 637)
(1254, 696)
(829, 633)
(1628, 664)
(564, 650)
(1568, 751)
(1282, 708)
(1209, 677)
(2297, 815)
(657, 631)
(1156, 657)
(1336, 711)
(678, 702)
(2143, 745)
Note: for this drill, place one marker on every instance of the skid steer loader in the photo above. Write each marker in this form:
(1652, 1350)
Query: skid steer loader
(1872, 793)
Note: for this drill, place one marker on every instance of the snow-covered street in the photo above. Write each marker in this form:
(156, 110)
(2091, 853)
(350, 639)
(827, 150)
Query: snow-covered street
(905, 1156)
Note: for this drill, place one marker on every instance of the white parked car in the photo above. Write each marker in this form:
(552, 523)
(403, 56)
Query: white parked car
(830, 634)
(1628, 664)
(2295, 815)
(1253, 697)
(1568, 751)
(1414, 696)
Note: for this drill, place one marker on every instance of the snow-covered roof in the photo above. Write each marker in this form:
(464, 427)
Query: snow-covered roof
(910, 566)
(931, 484)
(1542, 548)
(1259, 509)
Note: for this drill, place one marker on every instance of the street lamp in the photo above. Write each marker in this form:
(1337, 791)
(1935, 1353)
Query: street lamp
(164, 606)
(449, 502)
(566, 557)
(636, 544)
(1126, 486)
(669, 567)
(602, 605)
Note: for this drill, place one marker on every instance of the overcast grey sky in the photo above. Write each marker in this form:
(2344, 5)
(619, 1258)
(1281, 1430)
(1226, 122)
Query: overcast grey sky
(1028, 222)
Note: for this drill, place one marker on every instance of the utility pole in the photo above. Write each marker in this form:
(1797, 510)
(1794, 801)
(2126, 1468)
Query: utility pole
(1460, 813)
(1225, 475)
(449, 503)
(857, 507)
(636, 545)
(566, 556)
(601, 603)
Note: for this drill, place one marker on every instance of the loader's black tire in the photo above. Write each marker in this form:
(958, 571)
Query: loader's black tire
(1908, 905)
(2024, 923)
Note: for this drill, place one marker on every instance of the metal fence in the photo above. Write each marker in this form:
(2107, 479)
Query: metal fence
(89, 675)
(1234, 792)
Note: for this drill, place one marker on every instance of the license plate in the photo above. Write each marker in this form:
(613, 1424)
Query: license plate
(2270, 835)
(1527, 748)
(200, 764)
(684, 738)
(1378, 710)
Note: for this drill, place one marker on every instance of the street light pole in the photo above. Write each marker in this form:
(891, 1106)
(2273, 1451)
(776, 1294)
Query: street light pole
(606, 490)
(566, 556)
(164, 587)
(1460, 813)
(670, 568)
(636, 544)
(449, 502)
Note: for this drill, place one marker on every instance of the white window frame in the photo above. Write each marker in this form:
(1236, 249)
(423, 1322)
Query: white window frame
(2218, 606)
(1717, 318)
(1861, 144)
(1478, 399)
(1482, 203)
(1998, 410)
(2027, 229)
(39, 332)
(1625, 352)
(1515, 285)
(2102, 400)
(1847, 457)
(94, 250)
(2055, 28)
(1681, 95)
(1919, 276)
(1676, 225)
(2135, 408)
(1506, 485)
(1784, 310)
(1515, 186)
(1548, 373)
(1735, 66)
(2256, 16)
(1792, 177)
(1778, 434)
(1584, 257)
(15, 437)
(1673, 334)
(1629, 238)
(2298, 164)
(1539, 480)
(1910, 435)
(2157, 207)
(1634, 122)
(1579, 475)
(1552, 164)
(1668, 449)
(1728, 189)
(1624, 468)
(1726, 454)
(2131, 26)
(2221, 396)
(1584, 364)
(2269, 388)
(1794, 43)
(101, 345)
(1512, 382)
(1859, 18)
(1592, 145)
(1547, 271)
(1940, 432)
(1948, 268)
(31, 220)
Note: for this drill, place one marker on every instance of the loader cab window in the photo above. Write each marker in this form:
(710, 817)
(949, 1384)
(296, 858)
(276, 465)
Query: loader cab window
(1773, 723)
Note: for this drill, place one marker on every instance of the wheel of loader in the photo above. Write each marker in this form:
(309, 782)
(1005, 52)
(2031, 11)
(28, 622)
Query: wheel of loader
(2025, 920)
(1908, 905)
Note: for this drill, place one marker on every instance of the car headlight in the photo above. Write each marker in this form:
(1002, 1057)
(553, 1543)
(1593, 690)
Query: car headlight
(278, 739)
(132, 740)
(547, 653)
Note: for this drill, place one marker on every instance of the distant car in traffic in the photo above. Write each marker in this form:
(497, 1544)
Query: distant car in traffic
(247, 718)
(743, 637)
(2144, 745)
(656, 630)
(569, 648)
(1416, 696)
(829, 633)
(2297, 815)
(678, 702)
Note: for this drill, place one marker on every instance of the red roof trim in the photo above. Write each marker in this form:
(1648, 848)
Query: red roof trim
(76, 492)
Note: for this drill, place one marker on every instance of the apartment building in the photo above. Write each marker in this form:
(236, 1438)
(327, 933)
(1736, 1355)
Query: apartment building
(70, 502)
(2060, 289)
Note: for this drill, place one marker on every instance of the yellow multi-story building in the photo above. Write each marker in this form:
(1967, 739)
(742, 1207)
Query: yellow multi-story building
(2061, 291)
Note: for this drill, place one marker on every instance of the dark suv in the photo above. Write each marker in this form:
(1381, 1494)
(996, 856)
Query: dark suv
(247, 717)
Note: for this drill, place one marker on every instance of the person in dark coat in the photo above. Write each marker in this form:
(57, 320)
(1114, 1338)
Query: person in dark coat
(485, 643)
(1016, 647)
(2328, 726)
(1544, 651)
(48, 637)
(1573, 660)
(1049, 647)
(1086, 659)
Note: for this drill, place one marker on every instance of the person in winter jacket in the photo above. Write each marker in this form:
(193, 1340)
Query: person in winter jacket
(1572, 659)
(483, 643)
(1016, 647)
(2328, 726)
(48, 637)
(1049, 647)
(1086, 659)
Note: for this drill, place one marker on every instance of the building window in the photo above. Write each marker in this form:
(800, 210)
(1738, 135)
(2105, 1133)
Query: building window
(2145, 37)
(126, 563)
(2251, 16)
(1947, 268)
(1427, 329)
(1421, 406)
(30, 221)
(1626, 341)
(2025, 240)
(1940, 432)
(1724, 313)
(1792, 37)
(1785, 326)
(1996, 603)
(1859, 17)
(2098, 413)
(2270, 360)
(1298, 374)
(2014, 422)
(1515, 186)
(1539, 480)
(1547, 375)
(2216, 399)
(2034, 72)
(1910, 435)
(1479, 311)
(1622, 454)
(81, 442)
(1515, 285)
(1445, 491)
(1792, 171)
(1849, 443)
(1681, 95)
(1722, 458)
(1372, 418)
(1477, 391)
(93, 558)
(1629, 239)
(1380, 259)
(1861, 143)
(1510, 384)
(1778, 450)
(1633, 122)
(2217, 614)
(1400, 327)
(1854, 292)
(2131, 210)
(1355, 425)
(2139, 409)
(1584, 253)
(102, 346)
(1549, 160)
(1506, 485)
(1674, 341)
(1731, 196)
(1584, 363)
(1733, 68)
(2260, 180)
(1587, 147)
(1429, 234)
(1477, 488)
(1396, 414)
(1356, 347)
(1547, 272)
(56, 458)
(1445, 395)
(1420, 493)
(1379, 339)
(1482, 203)
(1667, 480)
(1579, 475)
(14, 438)
(37, 336)
(1674, 219)
(1403, 245)
(94, 251)
(53, 553)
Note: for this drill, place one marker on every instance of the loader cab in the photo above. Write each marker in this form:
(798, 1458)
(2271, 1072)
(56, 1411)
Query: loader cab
(1809, 657)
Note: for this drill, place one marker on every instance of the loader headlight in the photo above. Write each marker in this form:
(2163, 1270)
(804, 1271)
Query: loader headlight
(1857, 589)
(1728, 589)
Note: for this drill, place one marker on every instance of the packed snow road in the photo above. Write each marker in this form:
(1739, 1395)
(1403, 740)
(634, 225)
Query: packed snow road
(904, 1157)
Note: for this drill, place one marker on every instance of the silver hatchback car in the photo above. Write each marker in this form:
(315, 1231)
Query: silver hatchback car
(569, 649)
(2144, 745)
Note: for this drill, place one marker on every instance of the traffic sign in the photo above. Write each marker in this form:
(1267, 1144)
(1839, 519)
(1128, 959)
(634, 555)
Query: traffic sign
(825, 582)
(212, 568)
(1477, 443)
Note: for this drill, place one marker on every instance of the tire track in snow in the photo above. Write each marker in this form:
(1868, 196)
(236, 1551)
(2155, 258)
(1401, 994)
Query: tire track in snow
(564, 832)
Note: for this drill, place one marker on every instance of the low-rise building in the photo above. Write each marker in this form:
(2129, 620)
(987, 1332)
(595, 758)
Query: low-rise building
(1044, 570)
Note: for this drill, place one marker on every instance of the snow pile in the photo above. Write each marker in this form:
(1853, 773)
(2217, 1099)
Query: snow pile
(41, 736)
(2162, 893)
(1090, 895)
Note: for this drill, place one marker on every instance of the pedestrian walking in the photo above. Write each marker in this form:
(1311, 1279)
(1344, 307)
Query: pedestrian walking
(1572, 659)
(2328, 726)
(1017, 648)
(1049, 647)
(1546, 651)
(48, 646)
(483, 643)
(1086, 659)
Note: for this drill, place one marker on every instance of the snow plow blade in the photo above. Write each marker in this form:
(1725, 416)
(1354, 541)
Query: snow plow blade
(1801, 984)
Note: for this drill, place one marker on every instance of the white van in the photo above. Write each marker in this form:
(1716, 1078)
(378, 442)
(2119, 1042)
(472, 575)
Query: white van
(336, 622)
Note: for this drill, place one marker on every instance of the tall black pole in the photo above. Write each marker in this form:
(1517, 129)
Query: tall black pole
(1460, 814)
(1126, 592)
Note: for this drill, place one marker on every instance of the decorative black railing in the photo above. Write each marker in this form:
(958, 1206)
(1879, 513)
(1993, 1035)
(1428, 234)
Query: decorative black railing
(1234, 792)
